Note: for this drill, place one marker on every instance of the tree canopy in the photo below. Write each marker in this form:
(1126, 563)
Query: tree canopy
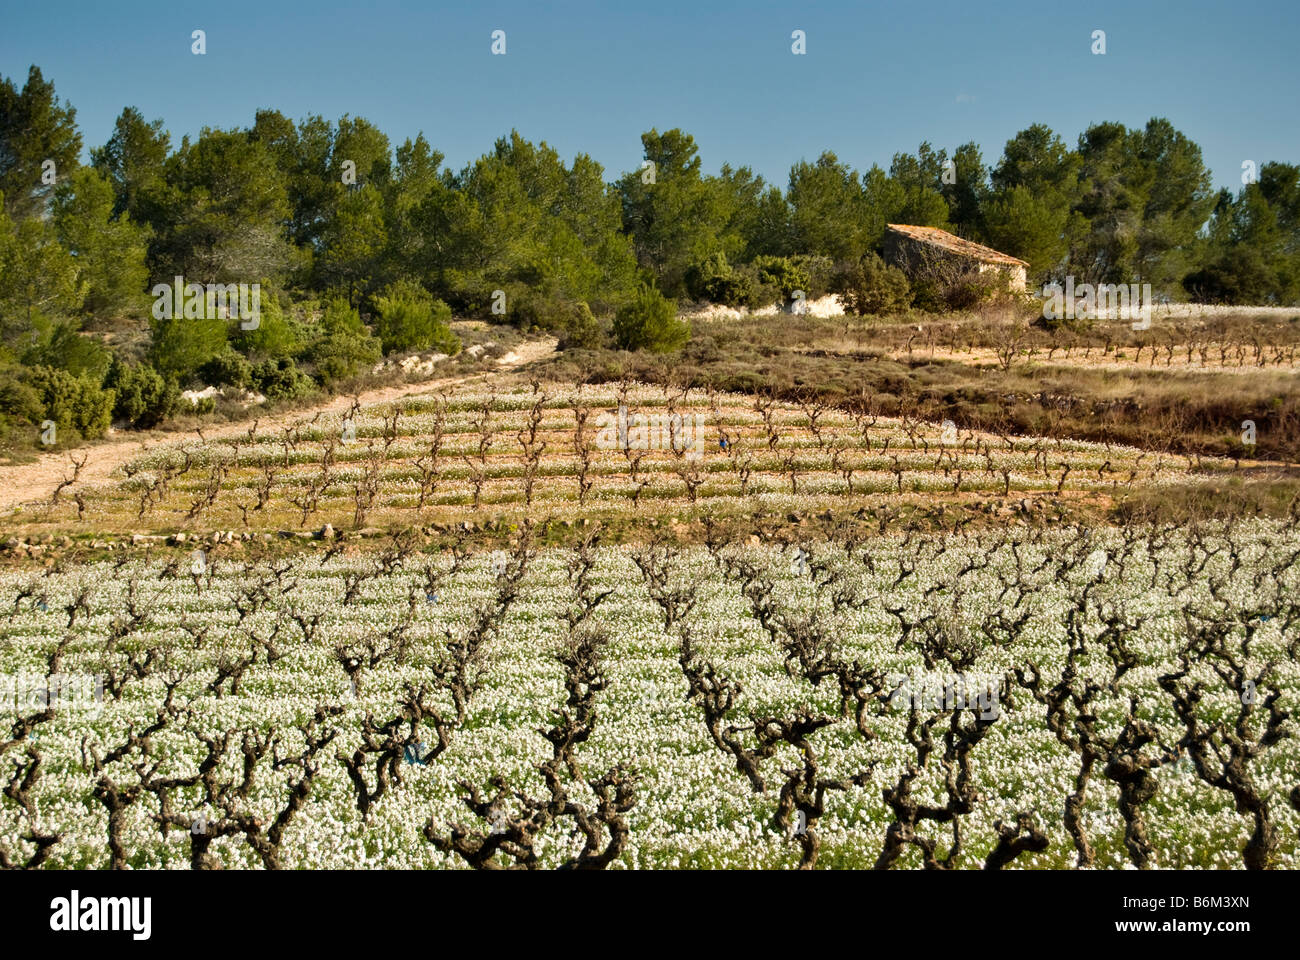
(362, 245)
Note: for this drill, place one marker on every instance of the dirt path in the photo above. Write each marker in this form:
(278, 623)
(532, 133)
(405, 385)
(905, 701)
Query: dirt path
(27, 482)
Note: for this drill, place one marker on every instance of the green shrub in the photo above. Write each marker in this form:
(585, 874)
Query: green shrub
(228, 369)
(529, 310)
(276, 335)
(204, 406)
(783, 274)
(63, 346)
(143, 398)
(77, 405)
(650, 322)
(181, 345)
(870, 286)
(332, 367)
(281, 380)
(742, 290)
(19, 399)
(701, 277)
(471, 298)
(345, 348)
(716, 281)
(1239, 276)
(819, 270)
(582, 330)
(339, 318)
(408, 318)
(21, 408)
(927, 295)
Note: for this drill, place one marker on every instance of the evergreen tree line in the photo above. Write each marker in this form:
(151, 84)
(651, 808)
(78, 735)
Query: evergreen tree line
(362, 248)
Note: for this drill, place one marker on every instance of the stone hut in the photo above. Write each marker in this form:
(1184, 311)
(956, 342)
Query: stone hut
(913, 248)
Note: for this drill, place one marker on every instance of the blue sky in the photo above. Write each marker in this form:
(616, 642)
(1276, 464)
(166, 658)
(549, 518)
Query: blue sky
(587, 77)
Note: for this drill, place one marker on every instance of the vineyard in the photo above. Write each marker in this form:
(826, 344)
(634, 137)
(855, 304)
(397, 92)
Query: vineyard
(622, 453)
(1029, 698)
(631, 626)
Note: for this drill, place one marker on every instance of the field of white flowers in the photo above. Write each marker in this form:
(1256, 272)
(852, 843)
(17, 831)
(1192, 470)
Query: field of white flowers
(1111, 697)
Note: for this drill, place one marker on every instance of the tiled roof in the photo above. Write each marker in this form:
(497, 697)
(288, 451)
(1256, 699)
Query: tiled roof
(954, 244)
